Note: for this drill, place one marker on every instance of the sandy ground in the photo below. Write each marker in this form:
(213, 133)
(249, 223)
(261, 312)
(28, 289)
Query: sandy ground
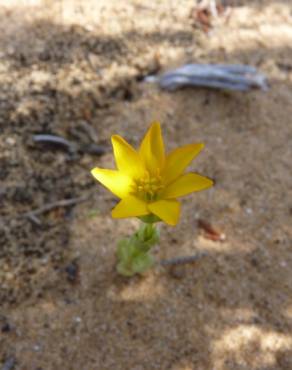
(75, 69)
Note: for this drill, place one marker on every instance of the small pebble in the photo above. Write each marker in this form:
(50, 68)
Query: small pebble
(72, 270)
(10, 141)
(36, 348)
(9, 364)
(249, 211)
(6, 328)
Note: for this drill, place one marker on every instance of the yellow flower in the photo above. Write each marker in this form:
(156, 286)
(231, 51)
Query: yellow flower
(147, 181)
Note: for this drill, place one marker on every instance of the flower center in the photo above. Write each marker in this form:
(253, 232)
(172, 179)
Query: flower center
(148, 186)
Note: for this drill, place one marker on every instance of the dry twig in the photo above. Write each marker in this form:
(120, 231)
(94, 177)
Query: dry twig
(210, 232)
(183, 259)
(32, 215)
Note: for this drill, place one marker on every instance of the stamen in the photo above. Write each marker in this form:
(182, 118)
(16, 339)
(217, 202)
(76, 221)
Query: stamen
(148, 186)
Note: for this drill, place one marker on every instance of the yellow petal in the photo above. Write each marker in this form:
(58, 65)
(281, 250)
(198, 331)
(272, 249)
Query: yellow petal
(152, 148)
(130, 207)
(117, 182)
(178, 160)
(186, 184)
(127, 158)
(167, 210)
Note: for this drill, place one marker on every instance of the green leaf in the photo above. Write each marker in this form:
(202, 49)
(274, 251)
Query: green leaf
(93, 213)
(142, 263)
(133, 253)
(124, 250)
(124, 270)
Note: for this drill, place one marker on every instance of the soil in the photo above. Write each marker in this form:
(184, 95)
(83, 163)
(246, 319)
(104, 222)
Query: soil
(76, 69)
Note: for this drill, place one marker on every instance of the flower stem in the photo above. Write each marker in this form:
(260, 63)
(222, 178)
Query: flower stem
(133, 253)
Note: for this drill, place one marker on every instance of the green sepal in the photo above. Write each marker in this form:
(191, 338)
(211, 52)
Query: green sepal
(150, 219)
